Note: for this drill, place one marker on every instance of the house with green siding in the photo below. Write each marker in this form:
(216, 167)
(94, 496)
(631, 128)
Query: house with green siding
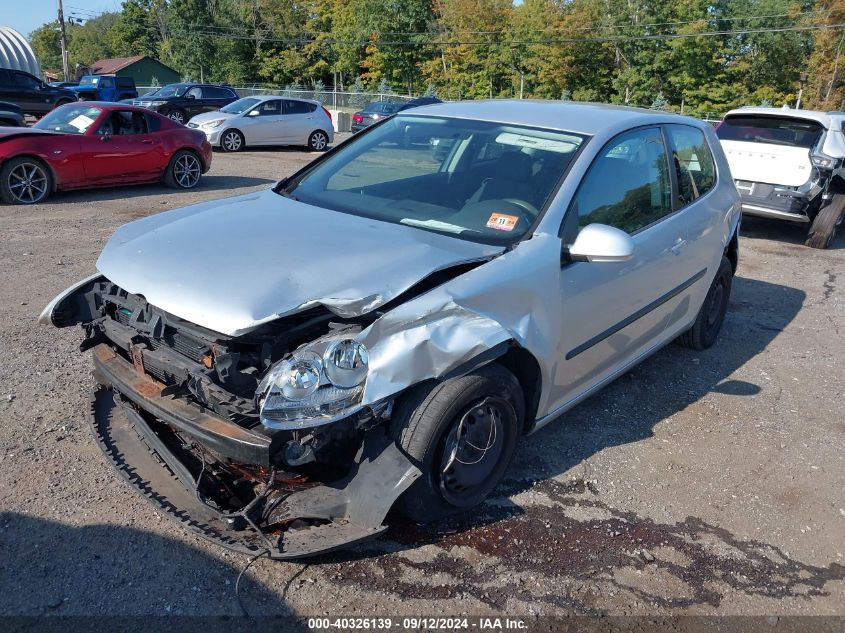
(145, 70)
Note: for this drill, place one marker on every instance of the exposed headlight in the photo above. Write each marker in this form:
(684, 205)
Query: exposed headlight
(155, 104)
(315, 385)
(215, 123)
(821, 160)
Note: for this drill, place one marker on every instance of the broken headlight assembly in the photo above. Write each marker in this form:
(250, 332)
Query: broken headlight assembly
(823, 160)
(317, 384)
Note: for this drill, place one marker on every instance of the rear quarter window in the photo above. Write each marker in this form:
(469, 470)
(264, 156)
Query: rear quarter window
(692, 161)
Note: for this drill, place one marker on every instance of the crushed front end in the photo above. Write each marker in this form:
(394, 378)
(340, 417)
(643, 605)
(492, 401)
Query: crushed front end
(204, 426)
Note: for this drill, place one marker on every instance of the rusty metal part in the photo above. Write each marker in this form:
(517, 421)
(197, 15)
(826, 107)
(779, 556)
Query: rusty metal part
(223, 437)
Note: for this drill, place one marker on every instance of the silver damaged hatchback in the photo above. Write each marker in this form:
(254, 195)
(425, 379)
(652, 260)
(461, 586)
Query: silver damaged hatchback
(277, 370)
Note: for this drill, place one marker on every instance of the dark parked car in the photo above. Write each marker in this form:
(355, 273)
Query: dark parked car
(11, 115)
(181, 102)
(373, 112)
(63, 84)
(31, 94)
(106, 88)
(378, 110)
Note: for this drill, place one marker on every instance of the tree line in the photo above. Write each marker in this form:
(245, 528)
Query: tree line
(699, 56)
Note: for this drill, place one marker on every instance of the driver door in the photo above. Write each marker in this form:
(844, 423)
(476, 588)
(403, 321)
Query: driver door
(614, 313)
(264, 124)
(120, 149)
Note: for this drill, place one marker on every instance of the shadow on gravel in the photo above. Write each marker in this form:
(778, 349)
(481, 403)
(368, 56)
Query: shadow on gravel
(228, 184)
(52, 569)
(784, 232)
(570, 545)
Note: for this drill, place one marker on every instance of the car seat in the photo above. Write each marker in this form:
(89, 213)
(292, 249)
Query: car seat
(510, 178)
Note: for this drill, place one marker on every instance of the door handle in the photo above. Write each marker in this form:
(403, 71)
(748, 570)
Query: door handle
(678, 246)
(147, 142)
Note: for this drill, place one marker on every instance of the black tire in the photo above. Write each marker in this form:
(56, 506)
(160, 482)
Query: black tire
(25, 180)
(232, 141)
(430, 422)
(177, 115)
(826, 222)
(710, 317)
(184, 170)
(318, 141)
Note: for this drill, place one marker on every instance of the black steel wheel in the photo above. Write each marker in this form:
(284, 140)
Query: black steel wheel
(462, 434)
(711, 315)
(25, 180)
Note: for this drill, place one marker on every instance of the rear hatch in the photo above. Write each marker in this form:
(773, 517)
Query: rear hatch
(769, 149)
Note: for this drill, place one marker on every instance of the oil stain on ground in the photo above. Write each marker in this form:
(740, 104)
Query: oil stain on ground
(573, 552)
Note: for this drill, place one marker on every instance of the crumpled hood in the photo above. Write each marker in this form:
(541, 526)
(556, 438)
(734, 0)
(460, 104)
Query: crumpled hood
(233, 264)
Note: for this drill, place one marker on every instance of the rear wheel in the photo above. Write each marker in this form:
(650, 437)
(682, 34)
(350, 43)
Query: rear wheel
(826, 222)
(318, 141)
(184, 170)
(232, 141)
(462, 434)
(710, 317)
(25, 180)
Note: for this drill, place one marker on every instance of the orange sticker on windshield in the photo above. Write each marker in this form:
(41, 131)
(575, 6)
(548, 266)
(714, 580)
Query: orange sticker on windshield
(502, 222)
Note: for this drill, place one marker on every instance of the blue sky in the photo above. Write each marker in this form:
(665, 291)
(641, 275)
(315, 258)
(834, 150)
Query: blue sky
(27, 15)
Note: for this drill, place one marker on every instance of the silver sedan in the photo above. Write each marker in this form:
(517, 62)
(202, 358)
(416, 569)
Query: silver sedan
(273, 120)
(388, 323)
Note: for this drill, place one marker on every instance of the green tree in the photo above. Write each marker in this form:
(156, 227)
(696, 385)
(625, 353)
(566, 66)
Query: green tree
(46, 44)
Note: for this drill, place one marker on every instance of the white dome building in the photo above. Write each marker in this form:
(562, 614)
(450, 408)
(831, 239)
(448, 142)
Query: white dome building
(16, 53)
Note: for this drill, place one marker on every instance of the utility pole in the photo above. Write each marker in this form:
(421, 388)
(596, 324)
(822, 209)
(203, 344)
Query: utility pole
(63, 39)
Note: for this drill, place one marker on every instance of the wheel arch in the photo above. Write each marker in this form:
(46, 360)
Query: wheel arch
(232, 129)
(521, 363)
(54, 177)
(188, 148)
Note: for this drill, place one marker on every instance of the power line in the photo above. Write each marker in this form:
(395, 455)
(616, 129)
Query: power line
(300, 41)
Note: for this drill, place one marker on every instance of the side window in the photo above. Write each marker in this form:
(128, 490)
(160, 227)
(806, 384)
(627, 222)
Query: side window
(5, 78)
(194, 92)
(692, 162)
(22, 80)
(628, 185)
(106, 82)
(269, 108)
(153, 123)
(297, 107)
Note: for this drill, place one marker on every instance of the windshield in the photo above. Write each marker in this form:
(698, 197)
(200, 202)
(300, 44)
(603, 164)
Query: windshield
(69, 119)
(770, 129)
(240, 106)
(173, 90)
(480, 181)
(87, 81)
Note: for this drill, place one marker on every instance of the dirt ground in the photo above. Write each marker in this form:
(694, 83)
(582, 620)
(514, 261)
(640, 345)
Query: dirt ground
(697, 483)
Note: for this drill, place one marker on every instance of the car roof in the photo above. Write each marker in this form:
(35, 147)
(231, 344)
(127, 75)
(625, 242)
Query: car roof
(827, 119)
(566, 116)
(269, 97)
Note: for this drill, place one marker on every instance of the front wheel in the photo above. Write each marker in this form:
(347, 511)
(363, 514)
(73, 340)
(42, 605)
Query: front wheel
(826, 222)
(462, 434)
(25, 181)
(710, 317)
(232, 141)
(318, 141)
(184, 170)
(176, 115)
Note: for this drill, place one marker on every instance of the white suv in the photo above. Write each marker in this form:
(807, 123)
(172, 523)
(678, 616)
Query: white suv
(788, 165)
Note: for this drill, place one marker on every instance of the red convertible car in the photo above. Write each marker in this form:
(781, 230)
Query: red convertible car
(91, 144)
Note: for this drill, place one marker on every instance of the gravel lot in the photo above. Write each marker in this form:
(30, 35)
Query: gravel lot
(697, 483)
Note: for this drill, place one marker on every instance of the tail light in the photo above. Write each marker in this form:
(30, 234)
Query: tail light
(357, 118)
(328, 114)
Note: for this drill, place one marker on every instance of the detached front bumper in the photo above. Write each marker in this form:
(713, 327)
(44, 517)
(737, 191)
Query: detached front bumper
(290, 518)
